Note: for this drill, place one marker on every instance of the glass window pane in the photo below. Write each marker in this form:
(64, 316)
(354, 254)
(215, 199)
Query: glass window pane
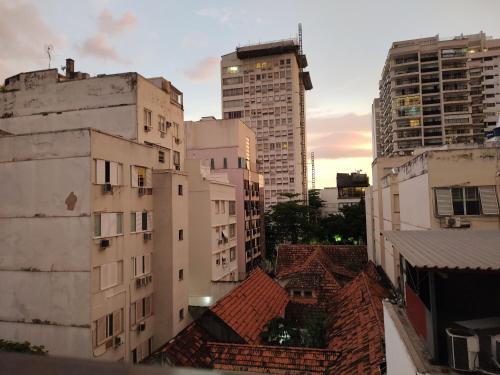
(97, 225)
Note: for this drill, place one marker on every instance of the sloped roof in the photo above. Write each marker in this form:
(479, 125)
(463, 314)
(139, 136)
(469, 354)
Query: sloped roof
(357, 326)
(271, 359)
(188, 348)
(251, 305)
(449, 249)
(344, 260)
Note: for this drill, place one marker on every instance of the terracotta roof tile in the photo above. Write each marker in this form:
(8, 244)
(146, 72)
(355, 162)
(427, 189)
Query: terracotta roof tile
(251, 305)
(357, 327)
(271, 359)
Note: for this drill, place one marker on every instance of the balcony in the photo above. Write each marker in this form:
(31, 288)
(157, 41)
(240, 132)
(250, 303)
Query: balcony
(430, 79)
(454, 76)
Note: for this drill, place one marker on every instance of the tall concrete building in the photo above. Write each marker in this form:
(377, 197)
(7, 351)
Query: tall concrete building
(438, 91)
(229, 147)
(85, 269)
(264, 86)
(376, 141)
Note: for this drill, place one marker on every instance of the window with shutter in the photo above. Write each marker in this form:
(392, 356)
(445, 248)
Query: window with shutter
(147, 306)
(444, 203)
(144, 220)
(149, 178)
(117, 322)
(101, 330)
(134, 176)
(138, 311)
(132, 222)
(138, 221)
(150, 220)
(133, 316)
(489, 201)
(100, 171)
(147, 263)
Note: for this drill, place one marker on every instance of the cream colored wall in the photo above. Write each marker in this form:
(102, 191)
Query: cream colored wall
(158, 101)
(44, 257)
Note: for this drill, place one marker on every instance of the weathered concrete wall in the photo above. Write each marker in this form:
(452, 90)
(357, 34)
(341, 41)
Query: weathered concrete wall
(43, 104)
(44, 228)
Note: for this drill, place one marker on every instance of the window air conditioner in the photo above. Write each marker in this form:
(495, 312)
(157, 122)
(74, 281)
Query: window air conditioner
(148, 236)
(456, 222)
(138, 282)
(107, 188)
(463, 349)
(142, 191)
(141, 326)
(104, 243)
(117, 341)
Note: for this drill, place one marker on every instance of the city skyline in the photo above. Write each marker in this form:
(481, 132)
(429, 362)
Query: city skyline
(345, 55)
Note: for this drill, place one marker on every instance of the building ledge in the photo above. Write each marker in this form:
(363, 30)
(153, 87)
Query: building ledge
(415, 347)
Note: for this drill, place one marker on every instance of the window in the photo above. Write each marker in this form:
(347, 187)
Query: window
(108, 224)
(141, 309)
(181, 274)
(232, 254)
(141, 265)
(466, 201)
(225, 163)
(232, 80)
(234, 114)
(141, 221)
(232, 208)
(110, 274)
(231, 69)
(308, 293)
(108, 172)
(161, 156)
(179, 190)
(217, 209)
(181, 314)
(212, 164)
(147, 119)
(232, 230)
(108, 326)
(181, 234)
(222, 207)
(297, 293)
(141, 176)
(177, 159)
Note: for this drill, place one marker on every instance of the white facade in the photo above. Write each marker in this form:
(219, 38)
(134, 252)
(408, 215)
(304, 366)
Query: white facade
(86, 199)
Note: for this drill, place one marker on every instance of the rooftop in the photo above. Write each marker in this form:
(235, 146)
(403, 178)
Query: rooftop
(449, 249)
(248, 307)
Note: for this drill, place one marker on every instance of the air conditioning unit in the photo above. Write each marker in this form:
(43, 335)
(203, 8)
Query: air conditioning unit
(463, 349)
(141, 326)
(104, 243)
(107, 188)
(142, 191)
(138, 282)
(456, 222)
(117, 341)
(177, 167)
(149, 278)
(148, 236)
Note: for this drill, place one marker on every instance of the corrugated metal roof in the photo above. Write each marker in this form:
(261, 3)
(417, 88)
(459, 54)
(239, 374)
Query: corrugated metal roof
(452, 249)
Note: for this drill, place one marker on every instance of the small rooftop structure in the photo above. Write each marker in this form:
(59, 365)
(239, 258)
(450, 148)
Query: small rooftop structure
(448, 249)
(352, 180)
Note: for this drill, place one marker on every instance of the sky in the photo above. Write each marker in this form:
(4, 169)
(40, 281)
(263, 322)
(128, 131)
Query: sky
(346, 43)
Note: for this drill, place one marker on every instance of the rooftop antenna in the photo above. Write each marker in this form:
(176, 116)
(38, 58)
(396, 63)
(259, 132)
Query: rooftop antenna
(49, 49)
(313, 172)
(300, 39)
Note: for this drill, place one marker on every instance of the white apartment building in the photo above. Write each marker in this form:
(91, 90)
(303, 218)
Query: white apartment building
(212, 251)
(438, 91)
(264, 86)
(229, 147)
(94, 233)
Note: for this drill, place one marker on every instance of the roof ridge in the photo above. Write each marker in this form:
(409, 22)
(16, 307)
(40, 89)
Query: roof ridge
(299, 348)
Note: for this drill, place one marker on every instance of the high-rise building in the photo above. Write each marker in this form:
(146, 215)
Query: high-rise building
(86, 270)
(438, 91)
(264, 86)
(229, 147)
(376, 141)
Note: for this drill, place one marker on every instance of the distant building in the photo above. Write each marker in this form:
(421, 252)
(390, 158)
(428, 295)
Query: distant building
(229, 147)
(438, 91)
(264, 86)
(349, 191)
(94, 231)
(212, 251)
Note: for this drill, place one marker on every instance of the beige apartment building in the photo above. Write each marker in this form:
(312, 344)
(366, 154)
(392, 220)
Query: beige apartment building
(229, 147)
(376, 139)
(93, 229)
(437, 91)
(452, 188)
(264, 86)
(212, 251)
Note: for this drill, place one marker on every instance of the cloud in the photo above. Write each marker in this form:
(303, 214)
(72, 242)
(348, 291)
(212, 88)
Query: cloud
(204, 70)
(99, 45)
(194, 40)
(24, 35)
(108, 24)
(336, 137)
(222, 15)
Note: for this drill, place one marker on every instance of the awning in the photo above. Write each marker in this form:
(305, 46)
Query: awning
(224, 234)
(448, 249)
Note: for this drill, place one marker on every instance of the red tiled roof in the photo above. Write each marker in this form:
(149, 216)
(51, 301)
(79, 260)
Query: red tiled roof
(271, 359)
(251, 305)
(343, 260)
(188, 348)
(357, 328)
